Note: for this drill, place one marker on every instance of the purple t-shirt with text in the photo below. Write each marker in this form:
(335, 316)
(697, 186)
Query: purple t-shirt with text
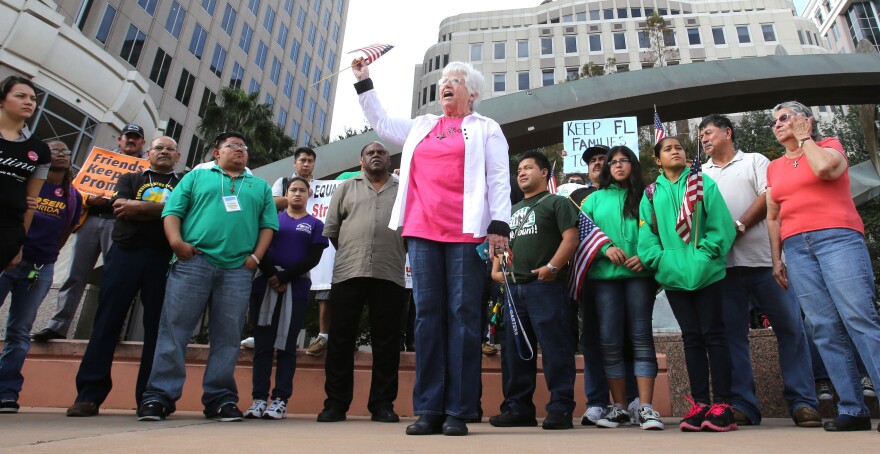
(290, 246)
(55, 213)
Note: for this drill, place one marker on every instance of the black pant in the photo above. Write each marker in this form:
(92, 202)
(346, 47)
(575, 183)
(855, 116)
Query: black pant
(347, 299)
(11, 238)
(699, 316)
(125, 273)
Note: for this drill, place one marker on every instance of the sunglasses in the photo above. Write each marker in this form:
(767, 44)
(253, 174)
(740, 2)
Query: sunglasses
(782, 119)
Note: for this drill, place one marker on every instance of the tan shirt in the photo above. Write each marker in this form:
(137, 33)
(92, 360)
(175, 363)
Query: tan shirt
(358, 217)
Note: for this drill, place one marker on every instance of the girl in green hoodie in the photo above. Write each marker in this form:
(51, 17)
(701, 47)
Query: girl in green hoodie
(691, 272)
(624, 291)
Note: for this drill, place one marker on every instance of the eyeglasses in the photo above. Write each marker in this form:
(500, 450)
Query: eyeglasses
(63, 151)
(782, 119)
(576, 180)
(235, 146)
(621, 161)
(454, 81)
(170, 148)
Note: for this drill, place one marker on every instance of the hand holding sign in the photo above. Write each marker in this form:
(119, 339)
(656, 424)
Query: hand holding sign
(101, 170)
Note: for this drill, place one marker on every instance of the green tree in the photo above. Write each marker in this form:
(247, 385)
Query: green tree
(754, 135)
(235, 110)
(592, 70)
(660, 34)
(846, 127)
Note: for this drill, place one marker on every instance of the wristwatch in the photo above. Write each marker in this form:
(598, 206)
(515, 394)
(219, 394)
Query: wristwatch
(552, 268)
(801, 142)
(740, 227)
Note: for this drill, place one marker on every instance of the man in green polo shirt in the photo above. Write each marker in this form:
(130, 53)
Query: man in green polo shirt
(219, 221)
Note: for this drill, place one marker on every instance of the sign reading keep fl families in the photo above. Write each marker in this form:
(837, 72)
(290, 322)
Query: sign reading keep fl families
(579, 135)
(102, 169)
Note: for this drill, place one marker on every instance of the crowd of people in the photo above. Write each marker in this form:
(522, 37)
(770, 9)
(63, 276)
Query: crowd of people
(720, 237)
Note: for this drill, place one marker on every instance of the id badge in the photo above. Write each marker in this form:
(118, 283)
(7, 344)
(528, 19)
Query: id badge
(231, 203)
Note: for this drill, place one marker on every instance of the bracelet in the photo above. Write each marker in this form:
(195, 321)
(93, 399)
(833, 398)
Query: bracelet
(253, 256)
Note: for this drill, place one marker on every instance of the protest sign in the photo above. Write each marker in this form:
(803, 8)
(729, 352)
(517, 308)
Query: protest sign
(579, 135)
(101, 170)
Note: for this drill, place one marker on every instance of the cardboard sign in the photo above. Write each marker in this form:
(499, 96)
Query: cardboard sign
(579, 135)
(101, 170)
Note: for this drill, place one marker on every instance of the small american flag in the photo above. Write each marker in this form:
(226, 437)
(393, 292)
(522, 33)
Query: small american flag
(659, 132)
(551, 184)
(693, 193)
(590, 240)
(373, 51)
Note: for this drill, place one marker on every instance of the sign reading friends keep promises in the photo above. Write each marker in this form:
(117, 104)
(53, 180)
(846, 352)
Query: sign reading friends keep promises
(102, 168)
(579, 135)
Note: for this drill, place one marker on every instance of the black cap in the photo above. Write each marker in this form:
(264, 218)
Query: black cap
(593, 151)
(133, 129)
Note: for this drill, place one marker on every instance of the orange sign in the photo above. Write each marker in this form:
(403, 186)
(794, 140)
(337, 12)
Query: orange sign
(101, 170)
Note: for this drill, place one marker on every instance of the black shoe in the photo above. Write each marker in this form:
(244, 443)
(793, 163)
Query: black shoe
(331, 414)
(511, 419)
(151, 411)
(476, 419)
(426, 425)
(227, 412)
(454, 426)
(383, 415)
(46, 335)
(82, 409)
(846, 423)
(9, 406)
(557, 420)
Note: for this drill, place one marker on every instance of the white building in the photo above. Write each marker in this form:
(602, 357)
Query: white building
(843, 23)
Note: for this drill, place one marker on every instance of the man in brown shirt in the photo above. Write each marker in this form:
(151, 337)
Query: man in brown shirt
(368, 270)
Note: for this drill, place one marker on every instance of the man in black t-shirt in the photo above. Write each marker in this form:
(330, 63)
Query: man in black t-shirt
(93, 239)
(138, 261)
(543, 238)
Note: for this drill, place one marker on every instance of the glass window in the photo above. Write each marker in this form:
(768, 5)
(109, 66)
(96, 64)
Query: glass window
(498, 83)
(228, 22)
(694, 36)
(219, 60)
(269, 19)
(294, 50)
(301, 19)
(331, 60)
(522, 80)
(312, 31)
(547, 77)
(300, 97)
(801, 37)
(282, 36)
(669, 38)
(662, 11)
(742, 34)
(322, 120)
(571, 44)
(571, 74)
(311, 113)
(581, 16)
(433, 93)
(148, 5)
(174, 22)
(253, 87)
(619, 41)
(769, 33)
(325, 20)
(326, 92)
(636, 12)
(718, 36)
(621, 13)
(245, 41)
(288, 85)
(197, 43)
(316, 75)
(649, 12)
(339, 6)
(316, 7)
(236, 76)
(594, 14)
(307, 65)
(161, 64)
(546, 46)
(644, 42)
(208, 98)
(185, 87)
(282, 118)
(288, 7)
(254, 6)
(106, 24)
(196, 150)
(476, 52)
(174, 129)
(294, 131)
(276, 70)
(608, 13)
(269, 100)
(209, 6)
(335, 34)
(322, 46)
(132, 46)
(498, 51)
(307, 138)
(260, 59)
(522, 49)
(595, 43)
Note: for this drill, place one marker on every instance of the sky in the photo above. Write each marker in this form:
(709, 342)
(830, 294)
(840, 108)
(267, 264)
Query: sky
(411, 27)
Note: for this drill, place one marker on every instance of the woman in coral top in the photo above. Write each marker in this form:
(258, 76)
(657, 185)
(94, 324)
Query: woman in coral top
(812, 218)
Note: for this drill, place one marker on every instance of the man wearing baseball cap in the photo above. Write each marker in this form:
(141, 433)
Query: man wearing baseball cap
(93, 238)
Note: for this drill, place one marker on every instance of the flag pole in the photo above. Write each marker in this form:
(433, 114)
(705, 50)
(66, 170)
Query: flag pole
(697, 207)
(331, 75)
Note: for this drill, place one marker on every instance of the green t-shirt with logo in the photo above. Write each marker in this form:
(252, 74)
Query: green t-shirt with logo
(534, 240)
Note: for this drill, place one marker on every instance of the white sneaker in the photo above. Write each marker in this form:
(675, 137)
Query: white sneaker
(633, 409)
(615, 417)
(256, 411)
(649, 419)
(277, 410)
(592, 415)
(248, 343)
(868, 387)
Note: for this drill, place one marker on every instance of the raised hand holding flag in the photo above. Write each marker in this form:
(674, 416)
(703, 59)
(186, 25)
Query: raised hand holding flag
(371, 53)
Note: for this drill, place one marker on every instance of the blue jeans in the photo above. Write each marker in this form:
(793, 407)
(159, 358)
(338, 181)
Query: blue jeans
(625, 308)
(819, 371)
(595, 383)
(782, 309)
(447, 284)
(545, 318)
(699, 315)
(193, 285)
(126, 272)
(26, 300)
(830, 271)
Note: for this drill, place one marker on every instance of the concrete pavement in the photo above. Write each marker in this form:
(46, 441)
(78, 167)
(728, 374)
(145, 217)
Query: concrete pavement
(48, 430)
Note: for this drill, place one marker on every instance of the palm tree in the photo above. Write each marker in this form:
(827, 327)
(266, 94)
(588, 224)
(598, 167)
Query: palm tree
(235, 110)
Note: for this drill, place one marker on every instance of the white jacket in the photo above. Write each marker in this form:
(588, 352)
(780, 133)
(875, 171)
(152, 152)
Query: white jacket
(486, 163)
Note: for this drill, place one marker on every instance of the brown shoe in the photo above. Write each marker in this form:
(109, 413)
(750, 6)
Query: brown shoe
(807, 417)
(489, 349)
(318, 347)
(740, 417)
(82, 409)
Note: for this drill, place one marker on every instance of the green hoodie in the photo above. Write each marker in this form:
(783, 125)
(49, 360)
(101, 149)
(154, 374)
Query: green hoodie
(605, 208)
(680, 265)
